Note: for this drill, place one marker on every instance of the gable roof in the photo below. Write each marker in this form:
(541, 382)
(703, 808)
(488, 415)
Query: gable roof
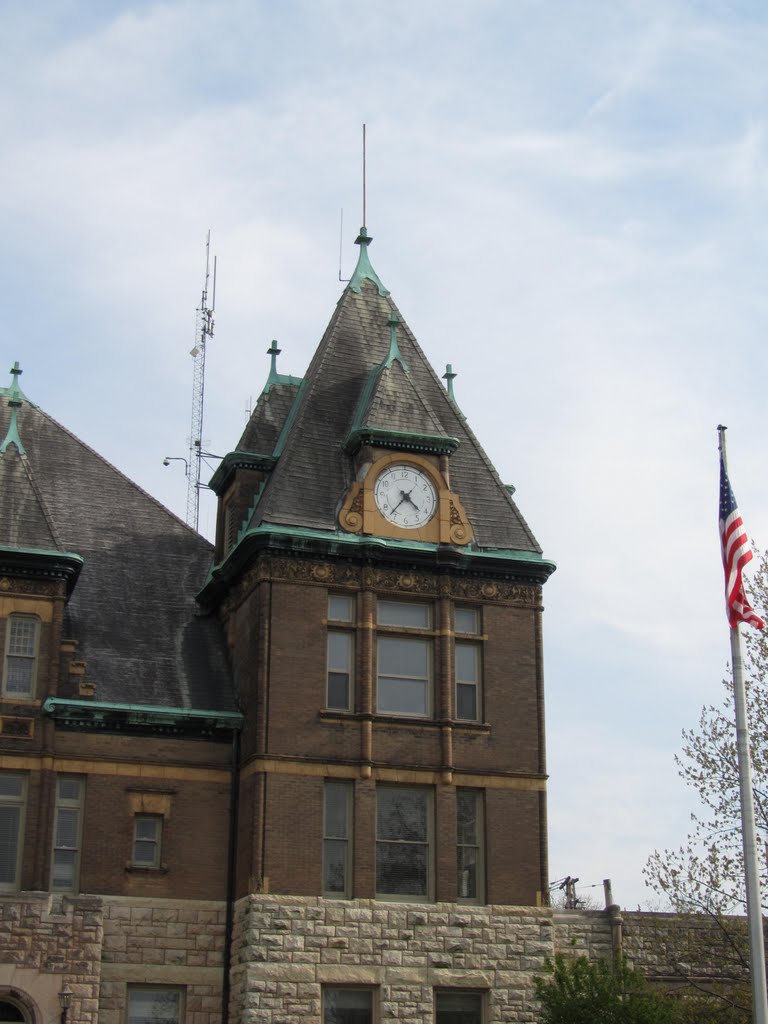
(132, 611)
(356, 380)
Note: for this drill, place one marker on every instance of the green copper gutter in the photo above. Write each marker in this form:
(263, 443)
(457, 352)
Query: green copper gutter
(139, 714)
(434, 444)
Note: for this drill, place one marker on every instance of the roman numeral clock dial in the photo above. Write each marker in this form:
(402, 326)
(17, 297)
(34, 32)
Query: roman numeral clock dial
(405, 496)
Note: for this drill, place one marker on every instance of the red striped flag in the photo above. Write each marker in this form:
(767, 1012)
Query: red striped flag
(736, 553)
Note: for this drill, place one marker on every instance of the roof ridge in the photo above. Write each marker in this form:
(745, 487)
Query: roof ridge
(49, 520)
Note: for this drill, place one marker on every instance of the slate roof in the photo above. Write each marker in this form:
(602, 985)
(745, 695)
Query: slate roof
(132, 610)
(348, 385)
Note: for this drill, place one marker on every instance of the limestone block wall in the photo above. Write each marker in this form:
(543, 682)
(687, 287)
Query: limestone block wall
(46, 940)
(163, 942)
(668, 948)
(286, 948)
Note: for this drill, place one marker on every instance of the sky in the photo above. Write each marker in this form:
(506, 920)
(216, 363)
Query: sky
(567, 199)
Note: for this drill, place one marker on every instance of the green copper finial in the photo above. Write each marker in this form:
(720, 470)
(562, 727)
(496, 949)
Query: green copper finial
(274, 377)
(274, 352)
(15, 396)
(449, 377)
(364, 271)
(394, 349)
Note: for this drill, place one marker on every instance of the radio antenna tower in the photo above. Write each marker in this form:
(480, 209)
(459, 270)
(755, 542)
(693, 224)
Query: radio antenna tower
(203, 331)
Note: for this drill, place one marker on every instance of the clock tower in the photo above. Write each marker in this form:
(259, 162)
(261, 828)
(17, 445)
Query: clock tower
(381, 593)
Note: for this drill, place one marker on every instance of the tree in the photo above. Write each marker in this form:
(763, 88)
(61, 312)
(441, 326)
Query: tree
(579, 991)
(706, 874)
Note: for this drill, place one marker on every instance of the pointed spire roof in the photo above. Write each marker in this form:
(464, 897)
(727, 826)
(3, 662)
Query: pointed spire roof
(28, 522)
(369, 373)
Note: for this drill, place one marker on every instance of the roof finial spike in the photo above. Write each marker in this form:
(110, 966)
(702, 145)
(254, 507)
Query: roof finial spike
(449, 377)
(15, 397)
(274, 352)
(394, 349)
(365, 221)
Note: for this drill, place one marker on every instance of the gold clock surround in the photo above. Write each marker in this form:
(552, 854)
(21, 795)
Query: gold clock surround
(359, 513)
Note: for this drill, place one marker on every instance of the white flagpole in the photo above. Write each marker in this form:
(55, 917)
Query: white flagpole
(748, 834)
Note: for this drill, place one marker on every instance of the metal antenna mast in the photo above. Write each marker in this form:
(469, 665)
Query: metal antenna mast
(203, 331)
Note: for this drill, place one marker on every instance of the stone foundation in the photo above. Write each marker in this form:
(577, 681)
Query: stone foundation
(287, 948)
(45, 941)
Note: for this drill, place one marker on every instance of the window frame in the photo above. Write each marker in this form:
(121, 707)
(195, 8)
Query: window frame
(341, 627)
(348, 789)
(68, 804)
(21, 803)
(467, 639)
(370, 990)
(33, 658)
(159, 821)
(429, 844)
(134, 989)
(409, 634)
(478, 797)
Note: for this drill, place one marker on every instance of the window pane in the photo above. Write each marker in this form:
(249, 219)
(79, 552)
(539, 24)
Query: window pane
(12, 786)
(19, 673)
(69, 789)
(23, 633)
(336, 802)
(467, 662)
(399, 656)
(9, 1012)
(10, 819)
(466, 815)
(459, 1008)
(466, 620)
(144, 852)
(339, 650)
(466, 702)
(146, 828)
(67, 827)
(335, 856)
(401, 869)
(63, 876)
(154, 1006)
(338, 691)
(347, 1006)
(401, 813)
(401, 613)
(341, 609)
(403, 696)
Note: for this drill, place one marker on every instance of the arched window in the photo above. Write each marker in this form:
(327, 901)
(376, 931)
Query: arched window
(11, 1011)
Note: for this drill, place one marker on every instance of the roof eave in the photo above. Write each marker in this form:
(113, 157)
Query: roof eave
(38, 563)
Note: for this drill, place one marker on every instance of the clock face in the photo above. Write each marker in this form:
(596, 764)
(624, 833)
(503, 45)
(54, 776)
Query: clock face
(405, 496)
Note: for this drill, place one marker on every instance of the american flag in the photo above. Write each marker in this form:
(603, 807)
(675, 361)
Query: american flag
(736, 553)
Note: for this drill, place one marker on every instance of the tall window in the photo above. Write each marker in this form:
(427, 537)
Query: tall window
(468, 665)
(66, 834)
(13, 793)
(21, 641)
(147, 837)
(469, 845)
(341, 650)
(459, 1007)
(404, 837)
(347, 1005)
(404, 683)
(337, 830)
(155, 1004)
